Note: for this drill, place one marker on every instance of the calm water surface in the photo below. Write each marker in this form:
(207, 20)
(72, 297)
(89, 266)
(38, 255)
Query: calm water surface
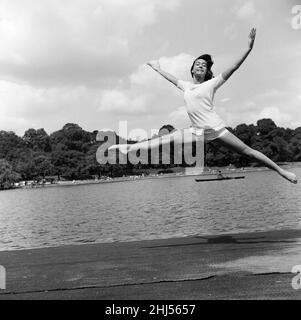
(147, 209)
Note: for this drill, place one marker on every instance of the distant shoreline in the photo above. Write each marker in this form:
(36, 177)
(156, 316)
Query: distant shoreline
(224, 170)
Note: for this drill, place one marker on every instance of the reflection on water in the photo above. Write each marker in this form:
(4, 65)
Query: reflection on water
(147, 209)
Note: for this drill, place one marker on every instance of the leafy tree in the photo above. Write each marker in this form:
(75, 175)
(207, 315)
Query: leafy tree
(265, 126)
(295, 145)
(7, 175)
(43, 165)
(37, 140)
(166, 129)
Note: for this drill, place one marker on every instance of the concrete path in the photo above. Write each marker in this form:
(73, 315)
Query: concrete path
(240, 266)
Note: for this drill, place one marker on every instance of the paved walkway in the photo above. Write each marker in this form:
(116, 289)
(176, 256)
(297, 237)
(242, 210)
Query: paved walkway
(241, 266)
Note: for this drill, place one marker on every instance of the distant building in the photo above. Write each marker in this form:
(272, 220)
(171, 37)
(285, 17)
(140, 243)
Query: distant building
(192, 171)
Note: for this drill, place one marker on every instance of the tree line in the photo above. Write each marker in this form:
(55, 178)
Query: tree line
(70, 152)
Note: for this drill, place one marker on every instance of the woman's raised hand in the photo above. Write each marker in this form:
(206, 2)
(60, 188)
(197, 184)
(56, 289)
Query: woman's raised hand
(154, 64)
(252, 36)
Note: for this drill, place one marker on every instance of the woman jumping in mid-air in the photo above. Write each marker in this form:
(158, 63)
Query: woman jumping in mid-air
(198, 96)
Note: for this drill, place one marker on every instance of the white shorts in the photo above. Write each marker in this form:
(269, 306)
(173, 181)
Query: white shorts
(209, 134)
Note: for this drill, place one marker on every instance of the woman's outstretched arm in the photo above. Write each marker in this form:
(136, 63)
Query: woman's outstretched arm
(156, 66)
(227, 74)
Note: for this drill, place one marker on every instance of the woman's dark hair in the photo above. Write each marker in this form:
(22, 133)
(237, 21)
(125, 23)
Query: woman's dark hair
(208, 59)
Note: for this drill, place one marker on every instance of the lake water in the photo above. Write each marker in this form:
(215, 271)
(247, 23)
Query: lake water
(147, 209)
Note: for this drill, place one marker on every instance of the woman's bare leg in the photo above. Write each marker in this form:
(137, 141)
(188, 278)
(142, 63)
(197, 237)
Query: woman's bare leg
(230, 141)
(176, 136)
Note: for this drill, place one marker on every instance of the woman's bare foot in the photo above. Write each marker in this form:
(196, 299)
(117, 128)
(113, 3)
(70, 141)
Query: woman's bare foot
(123, 148)
(291, 177)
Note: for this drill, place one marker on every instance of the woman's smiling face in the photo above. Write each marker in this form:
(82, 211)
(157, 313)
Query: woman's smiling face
(200, 67)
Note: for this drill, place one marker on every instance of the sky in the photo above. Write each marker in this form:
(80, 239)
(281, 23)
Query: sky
(84, 62)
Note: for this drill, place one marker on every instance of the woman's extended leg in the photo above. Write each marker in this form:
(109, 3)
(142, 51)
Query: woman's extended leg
(230, 141)
(176, 136)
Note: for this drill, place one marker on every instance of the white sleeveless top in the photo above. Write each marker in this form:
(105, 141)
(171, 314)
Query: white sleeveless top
(199, 103)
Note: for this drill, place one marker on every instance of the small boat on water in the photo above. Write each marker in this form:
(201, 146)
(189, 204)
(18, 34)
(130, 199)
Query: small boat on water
(219, 179)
